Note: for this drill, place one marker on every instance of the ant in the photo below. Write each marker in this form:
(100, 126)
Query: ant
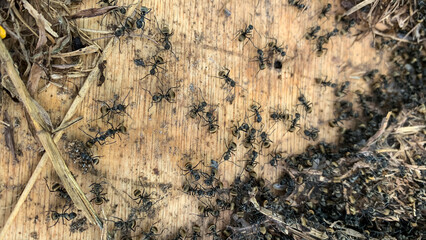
(55, 216)
(110, 133)
(115, 109)
(297, 4)
(277, 49)
(311, 35)
(210, 192)
(236, 129)
(311, 133)
(306, 104)
(108, 2)
(191, 170)
(340, 92)
(97, 190)
(154, 66)
(255, 108)
(181, 234)
(60, 190)
(211, 121)
(198, 108)
(225, 205)
(208, 210)
(294, 123)
(153, 231)
(244, 34)
(261, 59)
(320, 49)
(276, 157)
(123, 225)
(101, 67)
(325, 10)
(127, 27)
(190, 190)
(139, 62)
(278, 115)
(214, 165)
(169, 96)
(140, 23)
(264, 139)
(224, 74)
(167, 33)
(325, 83)
(251, 162)
(231, 148)
(213, 232)
(196, 232)
(250, 138)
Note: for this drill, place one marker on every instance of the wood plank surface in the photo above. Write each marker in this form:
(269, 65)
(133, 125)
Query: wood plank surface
(162, 139)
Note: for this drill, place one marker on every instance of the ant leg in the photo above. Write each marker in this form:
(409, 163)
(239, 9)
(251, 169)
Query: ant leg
(57, 220)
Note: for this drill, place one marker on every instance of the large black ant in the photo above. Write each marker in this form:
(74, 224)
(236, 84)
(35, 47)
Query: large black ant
(224, 74)
(312, 34)
(152, 232)
(255, 108)
(230, 149)
(127, 27)
(195, 173)
(122, 225)
(250, 138)
(140, 22)
(56, 187)
(165, 40)
(190, 190)
(155, 66)
(110, 133)
(297, 4)
(305, 103)
(208, 210)
(55, 216)
(196, 230)
(169, 96)
(225, 205)
(211, 121)
(342, 91)
(278, 115)
(264, 139)
(294, 123)
(213, 232)
(325, 83)
(115, 109)
(237, 129)
(325, 10)
(275, 158)
(210, 192)
(214, 166)
(97, 190)
(311, 133)
(197, 108)
(245, 33)
(251, 162)
(275, 48)
(260, 58)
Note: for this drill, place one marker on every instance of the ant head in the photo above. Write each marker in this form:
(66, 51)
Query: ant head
(260, 51)
(159, 60)
(328, 5)
(145, 10)
(123, 10)
(235, 132)
(188, 165)
(283, 53)
(250, 27)
(203, 104)
(297, 115)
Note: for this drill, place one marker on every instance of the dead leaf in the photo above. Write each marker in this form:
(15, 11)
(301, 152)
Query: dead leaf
(47, 123)
(38, 17)
(82, 51)
(8, 136)
(92, 12)
(34, 78)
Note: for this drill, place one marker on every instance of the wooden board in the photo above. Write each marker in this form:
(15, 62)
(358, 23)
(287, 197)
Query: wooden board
(162, 139)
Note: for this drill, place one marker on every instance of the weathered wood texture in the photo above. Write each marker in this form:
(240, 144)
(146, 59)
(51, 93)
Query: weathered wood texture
(159, 140)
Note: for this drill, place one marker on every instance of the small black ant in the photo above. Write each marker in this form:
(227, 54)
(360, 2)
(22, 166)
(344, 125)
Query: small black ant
(305, 103)
(325, 83)
(153, 231)
(230, 149)
(208, 210)
(264, 139)
(236, 129)
(278, 115)
(244, 34)
(210, 192)
(169, 96)
(275, 158)
(224, 74)
(155, 66)
(260, 58)
(122, 225)
(115, 109)
(225, 205)
(192, 171)
(140, 23)
(197, 109)
(165, 40)
(297, 4)
(275, 48)
(213, 232)
(311, 133)
(108, 2)
(211, 121)
(56, 187)
(325, 10)
(342, 91)
(55, 216)
(97, 190)
(294, 123)
(255, 108)
(195, 232)
(311, 35)
(101, 67)
(110, 133)
(250, 138)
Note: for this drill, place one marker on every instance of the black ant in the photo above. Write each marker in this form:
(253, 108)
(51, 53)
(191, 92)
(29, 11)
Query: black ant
(224, 74)
(311, 35)
(250, 138)
(210, 192)
(278, 115)
(244, 34)
(101, 67)
(320, 50)
(97, 190)
(127, 27)
(211, 121)
(169, 96)
(60, 190)
(305, 103)
(230, 149)
(155, 66)
(225, 205)
(275, 158)
(255, 108)
(115, 109)
(110, 133)
(214, 166)
(251, 162)
(297, 4)
(181, 234)
(198, 108)
(153, 231)
(260, 58)
(264, 139)
(208, 210)
(325, 10)
(122, 225)
(82, 155)
(325, 83)
(167, 33)
(213, 232)
(294, 123)
(139, 62)
(311, 133)
(140, 23)
(192, 171)
(55, 216)
(340, 92)
(108, 2)
(275, 48)
(195, 232)
(190, 190)
(142, 197)
(236, 129)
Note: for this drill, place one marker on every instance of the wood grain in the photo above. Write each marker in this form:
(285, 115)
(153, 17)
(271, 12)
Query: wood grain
(159, 139)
